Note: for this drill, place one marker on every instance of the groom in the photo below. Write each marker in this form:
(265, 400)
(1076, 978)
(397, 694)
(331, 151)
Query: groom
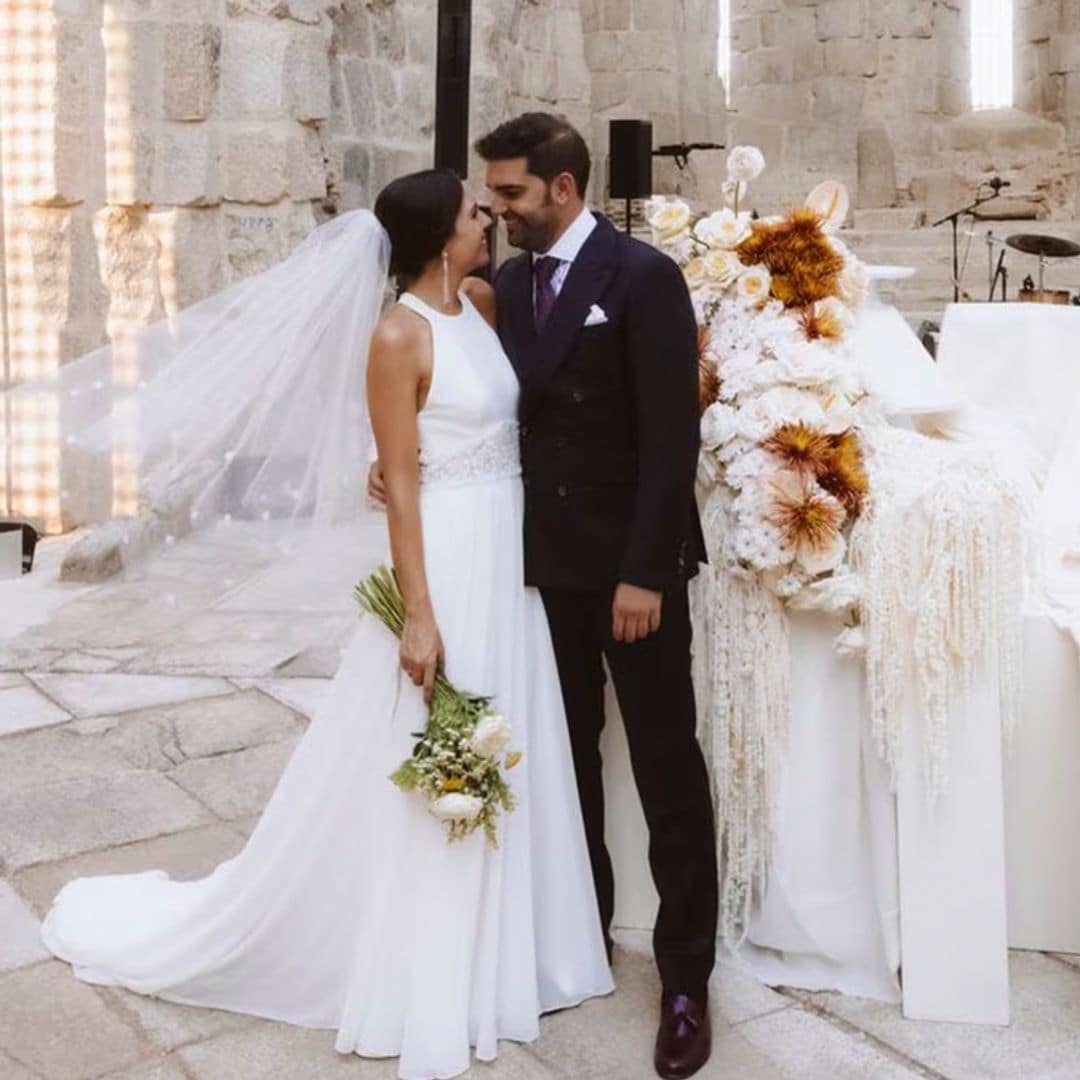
(601, 331)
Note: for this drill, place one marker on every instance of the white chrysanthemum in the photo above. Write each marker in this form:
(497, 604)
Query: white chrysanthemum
(717, 425)
(724, 229)
(457, 807)
(745, 163)
(491, 737)
(854, 283)
(754, 283)
(667, 217)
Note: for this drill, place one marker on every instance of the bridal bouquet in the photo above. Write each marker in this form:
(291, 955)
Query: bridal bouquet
(461, 758)
(781, 397)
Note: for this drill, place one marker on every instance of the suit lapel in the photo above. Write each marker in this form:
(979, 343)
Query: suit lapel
(588, 279)
(519, 331)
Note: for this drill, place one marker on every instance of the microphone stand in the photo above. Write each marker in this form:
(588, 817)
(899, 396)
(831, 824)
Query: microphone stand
(955, 219)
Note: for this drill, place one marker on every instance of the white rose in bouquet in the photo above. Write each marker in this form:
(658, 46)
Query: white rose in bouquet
(851, 642)
(668, 218)
(491, 737)
(717, 425)
(723, 229)
(745, 163)
(854, 283)
(753, 284)
(832, 594)
(457, 807)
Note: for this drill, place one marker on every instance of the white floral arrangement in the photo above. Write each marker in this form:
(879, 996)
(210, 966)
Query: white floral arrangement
(781, 396)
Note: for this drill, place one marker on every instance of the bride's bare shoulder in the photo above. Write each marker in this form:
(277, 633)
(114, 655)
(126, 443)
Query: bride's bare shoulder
(401, 340)
(482, 296)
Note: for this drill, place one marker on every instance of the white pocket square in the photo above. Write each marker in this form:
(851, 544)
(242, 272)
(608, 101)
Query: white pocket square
(596, 316)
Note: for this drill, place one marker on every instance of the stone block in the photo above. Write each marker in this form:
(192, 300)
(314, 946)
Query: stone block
(650, 15)
(603, 51)
(807, 59)
(610, 90)
(256, 165)
(89, 1041)
(609, 15)
(1064, 53)
(841, 18)
(909, 18)
(23, 708)
(877, 168)
(187, 165)
(20, 943)
(851, 56)
(307, 75)
(134, 63)
(78, 79)
(192, 59)
(767, 67)
(191, 255)
(746, 34)
(235, 785)
(306, 164)
(773, 28)
(351, 30)
(128, 251)
(253, 84)
(56, 821)
(255, 238)
(940, 192)
(388, 37)
(359, 87)
(838, 98)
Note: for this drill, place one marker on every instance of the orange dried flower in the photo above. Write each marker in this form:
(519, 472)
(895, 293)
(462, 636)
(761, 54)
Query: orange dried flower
(804, 266)
(842, 472)
(800, 446)
(809, 519)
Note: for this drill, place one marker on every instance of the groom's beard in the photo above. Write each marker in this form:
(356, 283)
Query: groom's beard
(535, 231)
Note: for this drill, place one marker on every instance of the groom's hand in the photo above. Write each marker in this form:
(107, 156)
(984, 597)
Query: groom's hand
(635, 613)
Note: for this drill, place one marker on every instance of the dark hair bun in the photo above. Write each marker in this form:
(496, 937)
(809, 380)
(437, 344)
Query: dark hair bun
(419, 212)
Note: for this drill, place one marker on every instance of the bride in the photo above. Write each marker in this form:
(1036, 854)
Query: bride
(348, 909)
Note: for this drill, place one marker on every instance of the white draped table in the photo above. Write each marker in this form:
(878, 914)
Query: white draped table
(863, 882)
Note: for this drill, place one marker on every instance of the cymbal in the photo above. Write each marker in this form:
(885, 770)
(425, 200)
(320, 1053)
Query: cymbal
(1048, 247)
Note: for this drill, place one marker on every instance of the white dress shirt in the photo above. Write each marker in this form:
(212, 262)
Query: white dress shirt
(568, 246)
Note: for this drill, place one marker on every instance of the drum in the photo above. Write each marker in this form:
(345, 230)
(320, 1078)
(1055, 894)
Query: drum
(1044, 296)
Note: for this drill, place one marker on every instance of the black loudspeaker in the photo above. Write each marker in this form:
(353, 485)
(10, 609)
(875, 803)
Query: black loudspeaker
(631, 159)
(452, 86)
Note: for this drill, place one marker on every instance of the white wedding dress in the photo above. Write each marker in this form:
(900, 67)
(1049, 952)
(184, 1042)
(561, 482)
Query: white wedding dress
(348, 909)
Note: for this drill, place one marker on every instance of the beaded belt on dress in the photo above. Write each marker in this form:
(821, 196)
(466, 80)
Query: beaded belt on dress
(495, 457)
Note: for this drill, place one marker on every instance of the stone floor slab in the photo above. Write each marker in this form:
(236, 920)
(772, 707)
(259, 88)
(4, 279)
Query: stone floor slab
(102, 695)
(804, 1046)
(169, 1026)
(226, 724)
(20, 932)
(183, 855)
(60, 1028)
(1043, 1039)
(303, 694)
(54, 755)
(155, 1069)
(8, 679)
(23, 708)
(235, 785)
(78, 663)
(58, 821)
(10, 1069)
(237, 658)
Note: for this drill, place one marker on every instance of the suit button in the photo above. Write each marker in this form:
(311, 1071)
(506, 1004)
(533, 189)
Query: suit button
(562, 491)
(578, 397)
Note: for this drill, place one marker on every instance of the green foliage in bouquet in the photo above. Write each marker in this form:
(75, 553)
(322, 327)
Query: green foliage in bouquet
(460, 760)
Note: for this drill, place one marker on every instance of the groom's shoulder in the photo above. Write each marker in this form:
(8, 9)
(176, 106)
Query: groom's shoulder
(509, 267)
(642, 258)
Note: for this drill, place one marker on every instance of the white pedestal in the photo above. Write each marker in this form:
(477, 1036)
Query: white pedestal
(1042, 797)
(952, 873)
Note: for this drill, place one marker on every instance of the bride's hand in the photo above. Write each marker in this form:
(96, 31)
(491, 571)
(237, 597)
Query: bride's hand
(422, 651)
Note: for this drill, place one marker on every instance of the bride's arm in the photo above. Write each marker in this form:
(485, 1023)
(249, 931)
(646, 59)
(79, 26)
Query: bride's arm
(399, 369)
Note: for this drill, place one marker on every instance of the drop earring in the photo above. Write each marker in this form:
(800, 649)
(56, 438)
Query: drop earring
(446, 279)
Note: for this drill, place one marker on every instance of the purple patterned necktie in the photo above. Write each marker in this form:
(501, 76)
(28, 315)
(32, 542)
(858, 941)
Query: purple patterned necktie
(544, 272)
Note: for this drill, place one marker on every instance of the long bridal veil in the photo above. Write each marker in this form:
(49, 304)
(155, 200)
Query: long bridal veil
(248, 407)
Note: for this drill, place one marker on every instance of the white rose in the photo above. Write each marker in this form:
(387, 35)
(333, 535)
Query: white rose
(753, 284)
(723, 229)
(668, 219)
(786, 405)
(694, 272)
(745, 163)
(832, 594)
(717, 426)
(491, 737)
(457, 807)
(722, 268)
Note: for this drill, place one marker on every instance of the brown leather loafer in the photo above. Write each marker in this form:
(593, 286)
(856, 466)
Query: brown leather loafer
(684, 1041)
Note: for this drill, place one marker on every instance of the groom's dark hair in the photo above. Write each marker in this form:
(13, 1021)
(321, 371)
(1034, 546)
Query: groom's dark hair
(550, 144)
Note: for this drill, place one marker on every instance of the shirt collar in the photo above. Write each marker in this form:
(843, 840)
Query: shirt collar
(569, 245)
